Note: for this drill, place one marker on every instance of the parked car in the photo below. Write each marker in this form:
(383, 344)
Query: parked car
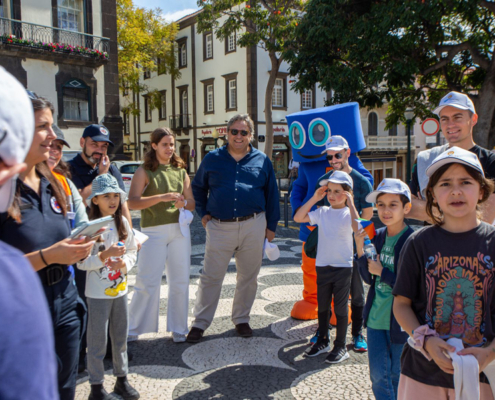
(127, 169)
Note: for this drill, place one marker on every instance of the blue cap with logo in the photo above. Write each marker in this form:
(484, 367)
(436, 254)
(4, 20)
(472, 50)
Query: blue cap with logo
(389, 185)
(457, 100)
(98, 133)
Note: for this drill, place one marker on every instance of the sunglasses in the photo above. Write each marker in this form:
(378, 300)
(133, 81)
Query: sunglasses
(236, 131)
(337, 156)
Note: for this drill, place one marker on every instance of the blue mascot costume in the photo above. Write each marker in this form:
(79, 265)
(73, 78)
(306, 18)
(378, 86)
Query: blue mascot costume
(308, 133)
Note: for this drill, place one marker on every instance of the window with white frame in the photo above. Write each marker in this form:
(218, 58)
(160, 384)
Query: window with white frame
(183, 55)
(76, 96)
(278, 93)
(5, 10)
(307, 99)
(231, 43)
(392, 131)
(209, 98)
(232, 95)
(208, 46)
(70, 15)
(163, 105)
(126, 123)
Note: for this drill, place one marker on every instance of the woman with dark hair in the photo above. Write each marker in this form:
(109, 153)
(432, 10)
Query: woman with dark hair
(37, 224)
(159, 188)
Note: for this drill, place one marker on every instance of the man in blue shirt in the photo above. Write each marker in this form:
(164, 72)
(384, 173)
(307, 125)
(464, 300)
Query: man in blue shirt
(237, 198)
(28, 366)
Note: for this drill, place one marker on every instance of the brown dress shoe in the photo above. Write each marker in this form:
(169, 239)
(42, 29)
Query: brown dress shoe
(194, 335)
(244, 330)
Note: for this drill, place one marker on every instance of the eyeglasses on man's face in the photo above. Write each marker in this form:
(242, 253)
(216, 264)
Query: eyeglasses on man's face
(337, 156)
(237, 131)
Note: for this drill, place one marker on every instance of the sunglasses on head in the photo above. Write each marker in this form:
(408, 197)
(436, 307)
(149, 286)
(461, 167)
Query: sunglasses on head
(337, 156)
(236, 131)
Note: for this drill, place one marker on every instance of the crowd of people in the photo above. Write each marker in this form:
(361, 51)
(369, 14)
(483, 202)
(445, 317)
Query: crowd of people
(429, 307)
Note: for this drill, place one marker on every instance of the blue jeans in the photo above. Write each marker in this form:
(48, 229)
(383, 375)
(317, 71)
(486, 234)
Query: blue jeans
(384, 360)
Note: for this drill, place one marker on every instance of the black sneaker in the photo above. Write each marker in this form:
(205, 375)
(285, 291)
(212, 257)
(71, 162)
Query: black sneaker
(124, 389)
(98, 392)
(338, 354)
(321, 346)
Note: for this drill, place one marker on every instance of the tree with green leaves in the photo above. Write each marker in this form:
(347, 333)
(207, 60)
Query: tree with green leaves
(269, 24)
(406, 53)
(143, 37)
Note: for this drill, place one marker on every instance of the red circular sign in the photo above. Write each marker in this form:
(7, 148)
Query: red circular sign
(430, 126)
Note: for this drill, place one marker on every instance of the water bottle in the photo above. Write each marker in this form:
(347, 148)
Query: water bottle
(369, 250)
(120, 244)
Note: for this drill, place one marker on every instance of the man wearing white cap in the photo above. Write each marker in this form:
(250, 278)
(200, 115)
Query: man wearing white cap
(338, 153)
(457, 117)
(28, 367)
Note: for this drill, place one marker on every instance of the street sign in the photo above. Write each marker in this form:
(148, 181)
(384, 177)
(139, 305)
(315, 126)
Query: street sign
(431, 139)
(430, 126)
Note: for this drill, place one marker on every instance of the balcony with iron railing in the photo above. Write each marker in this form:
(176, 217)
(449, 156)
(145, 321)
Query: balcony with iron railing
(25, 36)
(179, 121)
(388, 142)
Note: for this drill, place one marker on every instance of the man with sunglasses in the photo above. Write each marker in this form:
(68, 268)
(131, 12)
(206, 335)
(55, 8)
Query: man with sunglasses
(237, 198)
(338, 153)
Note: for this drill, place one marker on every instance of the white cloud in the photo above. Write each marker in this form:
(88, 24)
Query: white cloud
(174, 16)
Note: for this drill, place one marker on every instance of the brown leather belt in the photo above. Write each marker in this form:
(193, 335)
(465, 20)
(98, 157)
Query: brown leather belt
(238, 219)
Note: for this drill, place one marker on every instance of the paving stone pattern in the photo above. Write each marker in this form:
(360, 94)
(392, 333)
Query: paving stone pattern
(270, 365)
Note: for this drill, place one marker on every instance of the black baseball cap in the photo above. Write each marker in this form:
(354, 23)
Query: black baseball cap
(60, 135)
(98, 133)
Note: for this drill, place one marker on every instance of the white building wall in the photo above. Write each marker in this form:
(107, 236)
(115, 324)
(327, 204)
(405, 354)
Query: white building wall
(41, 79)
(97, 22)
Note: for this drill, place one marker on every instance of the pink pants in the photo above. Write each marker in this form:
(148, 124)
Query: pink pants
(411, 389)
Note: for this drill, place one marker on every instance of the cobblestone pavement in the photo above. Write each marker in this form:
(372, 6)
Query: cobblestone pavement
(269, 365)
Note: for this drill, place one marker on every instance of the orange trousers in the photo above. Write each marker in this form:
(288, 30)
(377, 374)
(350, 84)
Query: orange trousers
(307, 308)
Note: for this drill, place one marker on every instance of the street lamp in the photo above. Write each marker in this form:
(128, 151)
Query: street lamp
(409, 115)
(215, 135)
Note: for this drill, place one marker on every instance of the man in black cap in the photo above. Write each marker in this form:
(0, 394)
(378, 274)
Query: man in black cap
(85, 167)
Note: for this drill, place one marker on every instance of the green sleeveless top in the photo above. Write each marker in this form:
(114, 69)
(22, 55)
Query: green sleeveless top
(165, 179)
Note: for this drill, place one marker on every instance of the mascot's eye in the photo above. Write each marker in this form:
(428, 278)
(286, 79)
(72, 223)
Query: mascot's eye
(319, 132)
(297, 136)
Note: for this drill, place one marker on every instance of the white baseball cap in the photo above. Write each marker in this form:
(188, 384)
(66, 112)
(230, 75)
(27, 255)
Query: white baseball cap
(455, 155)
(457, 100)
(16, 130)
(335, 143)
(338, 177)
(389, 185)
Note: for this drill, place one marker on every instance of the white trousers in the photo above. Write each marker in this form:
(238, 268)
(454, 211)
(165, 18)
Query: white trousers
(166, 249)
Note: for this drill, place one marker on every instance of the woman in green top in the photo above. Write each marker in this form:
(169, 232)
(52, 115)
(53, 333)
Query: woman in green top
(160, 187)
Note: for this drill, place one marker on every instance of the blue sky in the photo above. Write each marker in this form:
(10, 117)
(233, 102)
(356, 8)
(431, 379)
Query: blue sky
(172, 9)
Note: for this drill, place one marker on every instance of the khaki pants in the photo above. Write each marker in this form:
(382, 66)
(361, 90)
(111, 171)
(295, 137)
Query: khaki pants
(245, 241)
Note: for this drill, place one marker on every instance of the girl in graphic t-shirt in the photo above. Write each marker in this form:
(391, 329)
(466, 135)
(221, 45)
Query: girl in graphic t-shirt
(333, 259)
(445, 282)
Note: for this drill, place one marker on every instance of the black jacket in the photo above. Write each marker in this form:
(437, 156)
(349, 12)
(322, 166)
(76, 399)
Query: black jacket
(396, 334)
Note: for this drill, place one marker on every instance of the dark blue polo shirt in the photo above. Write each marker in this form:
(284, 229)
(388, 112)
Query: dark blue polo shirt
(84, 174)
(42, 224)
(226, 188)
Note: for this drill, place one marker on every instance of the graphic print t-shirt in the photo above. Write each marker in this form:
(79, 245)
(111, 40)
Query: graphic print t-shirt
(449, 278)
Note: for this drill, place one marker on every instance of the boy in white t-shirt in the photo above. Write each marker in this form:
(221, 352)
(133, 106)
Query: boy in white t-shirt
(333, 259)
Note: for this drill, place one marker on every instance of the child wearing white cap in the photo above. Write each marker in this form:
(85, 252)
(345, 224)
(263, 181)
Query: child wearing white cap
(334, 259)
(385, 337)
(106, 288)
(445, 285)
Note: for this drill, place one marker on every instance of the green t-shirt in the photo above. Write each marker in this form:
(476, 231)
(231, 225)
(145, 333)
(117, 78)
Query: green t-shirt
(379, 316)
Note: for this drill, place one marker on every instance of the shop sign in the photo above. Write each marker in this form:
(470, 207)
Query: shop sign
(279, 146)
(379, 159)
(209, 147)
(278, 129)
(221, 131)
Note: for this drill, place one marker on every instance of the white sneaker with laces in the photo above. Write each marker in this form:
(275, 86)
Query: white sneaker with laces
(178, 337)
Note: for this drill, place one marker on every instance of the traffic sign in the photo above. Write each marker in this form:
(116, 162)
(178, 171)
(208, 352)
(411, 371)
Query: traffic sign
(430, 126)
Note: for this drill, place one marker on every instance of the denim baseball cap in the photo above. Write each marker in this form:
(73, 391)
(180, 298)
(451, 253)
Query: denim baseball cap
(389, 185)
(455, 155)
(335, 143)
(106, 183)
(98, 133)
(457, 100)
(338, 177)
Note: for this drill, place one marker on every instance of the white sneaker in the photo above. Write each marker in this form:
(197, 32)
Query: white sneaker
(178, 337)
(132, 338)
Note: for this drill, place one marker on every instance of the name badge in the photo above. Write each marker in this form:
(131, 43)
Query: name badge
(55, 206)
